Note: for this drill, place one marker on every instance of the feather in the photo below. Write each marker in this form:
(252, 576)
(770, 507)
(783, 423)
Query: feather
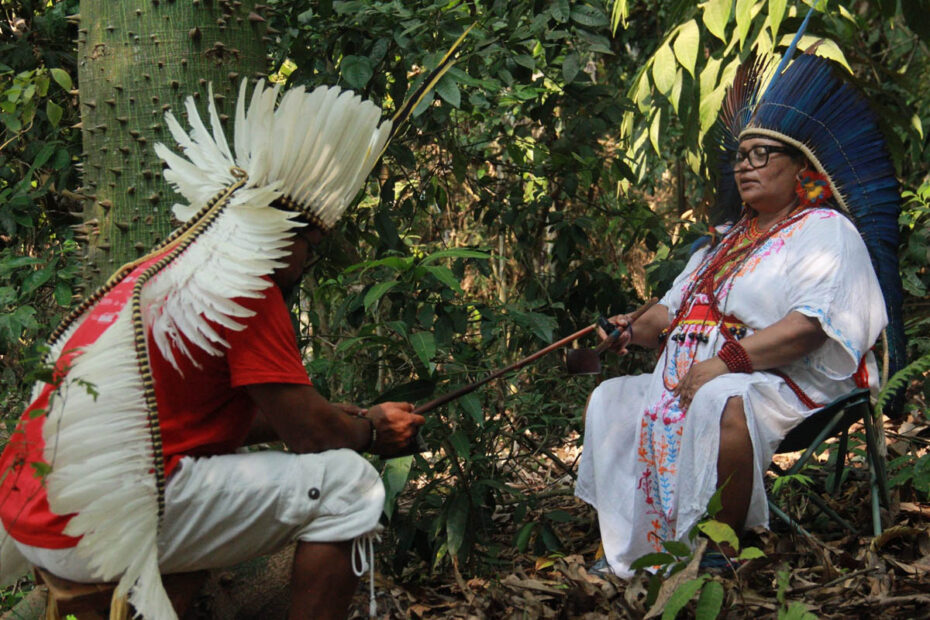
(99, 448)
(810, 106)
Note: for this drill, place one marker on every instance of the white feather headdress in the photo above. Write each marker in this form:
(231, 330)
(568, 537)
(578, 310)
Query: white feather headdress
(315, 148)
(302, 159)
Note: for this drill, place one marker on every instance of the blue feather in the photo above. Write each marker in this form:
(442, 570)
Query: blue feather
(810, 103)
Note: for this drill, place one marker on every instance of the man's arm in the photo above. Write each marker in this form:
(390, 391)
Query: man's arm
(307, 422)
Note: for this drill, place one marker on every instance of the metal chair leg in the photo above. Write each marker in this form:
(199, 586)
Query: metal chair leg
(840, 466)
(877, 481)
(794, 525)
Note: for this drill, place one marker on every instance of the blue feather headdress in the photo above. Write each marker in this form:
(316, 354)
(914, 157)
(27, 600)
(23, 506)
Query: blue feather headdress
(812, 108)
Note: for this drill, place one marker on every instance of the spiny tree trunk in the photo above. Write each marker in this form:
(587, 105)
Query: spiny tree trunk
(137, 59)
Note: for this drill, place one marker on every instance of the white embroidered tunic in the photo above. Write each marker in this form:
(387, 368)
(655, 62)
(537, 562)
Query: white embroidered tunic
(650, 468)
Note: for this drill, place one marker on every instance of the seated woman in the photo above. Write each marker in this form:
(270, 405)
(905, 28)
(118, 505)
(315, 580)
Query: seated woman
(761, 328)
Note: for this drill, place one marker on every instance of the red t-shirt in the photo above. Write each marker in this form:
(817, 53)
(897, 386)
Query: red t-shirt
(202, 411)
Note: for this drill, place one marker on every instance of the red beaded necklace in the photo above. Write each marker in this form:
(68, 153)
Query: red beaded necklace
(739, 244)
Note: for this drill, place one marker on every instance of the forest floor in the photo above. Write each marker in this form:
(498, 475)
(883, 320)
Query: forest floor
(830, 574)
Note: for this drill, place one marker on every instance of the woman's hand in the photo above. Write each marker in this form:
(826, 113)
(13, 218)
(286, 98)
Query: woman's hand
(396, 426)
(621, 322)
(697, 376)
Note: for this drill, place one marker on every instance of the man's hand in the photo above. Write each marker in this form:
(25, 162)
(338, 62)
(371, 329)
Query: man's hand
(396, 426)
(698, 375)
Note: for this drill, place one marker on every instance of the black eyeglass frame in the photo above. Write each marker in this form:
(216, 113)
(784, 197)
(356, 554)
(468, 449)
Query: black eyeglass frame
(760, 150)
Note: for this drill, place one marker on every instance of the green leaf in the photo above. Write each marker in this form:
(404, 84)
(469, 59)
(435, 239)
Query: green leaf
(54, 112)
(41, 469)
(457, 522)
(395, 475)
(12, 122)
(589, 16)
(827, 48)
(424, 344)
(348, 343)
(708, 77)
(561, 11)
(462, 445)
(621, 12)
(16, 262)
(763, 44)
(62, 78)
(751, 553)
(549, 538)
(63, 294)
(36, 279)
(714, 504)
(680, 597)
(378, 291)
(675, 95)
(719, 532)
(710, 108)
(396, 263)
(570, 67)
(655, 131)
(664, 69)
(42, 83)
(447, 88)
(652, 559)
(710, 602)
(776, 14)
(356, 70)
(471, 404)
(523, 536)
(25, 316)
(444, 275)
(743, 19)
(454, 253)
(686, 45)
(43, 156)
(559, 516)
(716, 16)
(677, 548)
(541, 325)
(796, 611)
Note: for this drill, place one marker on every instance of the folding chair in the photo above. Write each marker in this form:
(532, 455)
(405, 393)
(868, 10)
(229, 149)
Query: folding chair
(835, 419)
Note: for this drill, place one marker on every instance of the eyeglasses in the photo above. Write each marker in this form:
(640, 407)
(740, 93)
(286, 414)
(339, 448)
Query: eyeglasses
(758, 156)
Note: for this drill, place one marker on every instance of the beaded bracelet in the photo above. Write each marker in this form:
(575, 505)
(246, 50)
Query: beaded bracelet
(373, 434)
(735, 357)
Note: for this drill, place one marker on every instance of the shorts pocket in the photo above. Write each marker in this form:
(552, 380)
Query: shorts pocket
(302, 494)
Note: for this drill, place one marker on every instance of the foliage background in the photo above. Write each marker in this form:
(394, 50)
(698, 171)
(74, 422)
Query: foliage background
(555, 175)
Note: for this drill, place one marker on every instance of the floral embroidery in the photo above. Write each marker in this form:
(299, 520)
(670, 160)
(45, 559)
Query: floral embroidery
(662, 425)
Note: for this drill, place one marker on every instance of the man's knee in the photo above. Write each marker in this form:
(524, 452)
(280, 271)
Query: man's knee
(350, 495)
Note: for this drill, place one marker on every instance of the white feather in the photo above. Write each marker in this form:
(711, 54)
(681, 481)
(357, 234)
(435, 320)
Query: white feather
(100, 452)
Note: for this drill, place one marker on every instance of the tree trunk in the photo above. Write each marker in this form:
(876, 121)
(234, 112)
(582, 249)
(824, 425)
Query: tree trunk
(137, 59)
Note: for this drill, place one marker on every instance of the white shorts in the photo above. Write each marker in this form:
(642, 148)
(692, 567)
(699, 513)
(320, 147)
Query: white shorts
(223, 510)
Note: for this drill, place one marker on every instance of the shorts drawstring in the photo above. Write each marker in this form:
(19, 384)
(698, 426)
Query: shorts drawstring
(363, 552)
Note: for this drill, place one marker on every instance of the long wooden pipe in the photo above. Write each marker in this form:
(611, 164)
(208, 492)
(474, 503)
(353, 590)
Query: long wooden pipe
(442, 400)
